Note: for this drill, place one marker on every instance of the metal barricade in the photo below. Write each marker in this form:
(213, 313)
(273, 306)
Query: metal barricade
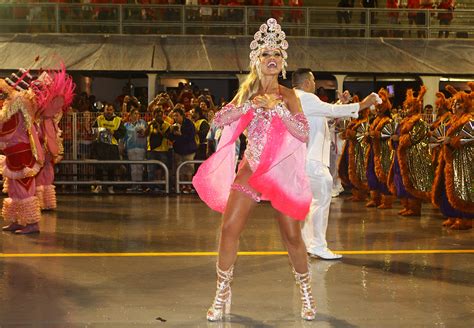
(178, 169)
(76, 182)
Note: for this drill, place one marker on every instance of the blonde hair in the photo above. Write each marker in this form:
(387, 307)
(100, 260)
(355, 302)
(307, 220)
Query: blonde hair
(249, 87)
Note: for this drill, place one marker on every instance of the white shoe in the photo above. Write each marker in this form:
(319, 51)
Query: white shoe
(337, 190)
(111, 190)
(325, 254)
(97, 190)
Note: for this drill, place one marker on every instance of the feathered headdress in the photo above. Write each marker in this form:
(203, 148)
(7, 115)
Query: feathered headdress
(442, 103)
(414, 104)
(461, 98)
(53, 84)
(386, 105)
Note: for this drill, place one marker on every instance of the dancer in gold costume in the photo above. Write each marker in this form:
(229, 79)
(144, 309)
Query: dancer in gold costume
(453, 188)
(379, 156)
(351, 165)
(443, 117)
(411, 172)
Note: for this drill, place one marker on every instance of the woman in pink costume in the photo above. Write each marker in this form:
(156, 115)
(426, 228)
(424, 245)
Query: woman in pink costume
(272, 168)
(55, 97)
(23, 154)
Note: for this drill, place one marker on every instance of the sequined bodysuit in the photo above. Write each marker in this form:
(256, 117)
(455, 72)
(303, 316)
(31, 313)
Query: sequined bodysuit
(258, 128)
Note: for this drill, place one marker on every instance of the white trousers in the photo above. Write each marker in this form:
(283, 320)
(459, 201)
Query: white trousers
(336, 152)
(316, 223)
(136, 154)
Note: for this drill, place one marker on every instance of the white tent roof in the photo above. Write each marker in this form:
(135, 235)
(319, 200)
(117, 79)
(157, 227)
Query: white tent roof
(230, 54)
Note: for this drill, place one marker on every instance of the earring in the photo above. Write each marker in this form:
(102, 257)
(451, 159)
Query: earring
(283, 70)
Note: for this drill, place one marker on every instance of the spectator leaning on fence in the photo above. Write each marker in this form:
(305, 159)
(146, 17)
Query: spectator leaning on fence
(182, 133)
(392, 15)
(109, 129)
(344, 15)
(422, 18)
(446, 16)
(367, 4)
(296, 16)
(157, 145)
(277, 14)
(135, 144)
(412, 4)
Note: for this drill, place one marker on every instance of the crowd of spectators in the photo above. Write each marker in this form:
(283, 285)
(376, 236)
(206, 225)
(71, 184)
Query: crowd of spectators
(173, 128)
(415, 18)
(220, 10)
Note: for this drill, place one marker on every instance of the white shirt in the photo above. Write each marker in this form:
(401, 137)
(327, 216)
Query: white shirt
(316, 112)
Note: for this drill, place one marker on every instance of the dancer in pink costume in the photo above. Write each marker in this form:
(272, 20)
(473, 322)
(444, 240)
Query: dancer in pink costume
(56, 96)
(23, 154)
(273, 167)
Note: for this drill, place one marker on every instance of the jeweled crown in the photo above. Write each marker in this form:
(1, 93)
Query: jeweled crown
(268, 36)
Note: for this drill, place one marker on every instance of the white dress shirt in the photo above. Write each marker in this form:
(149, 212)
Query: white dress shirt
(316, 112)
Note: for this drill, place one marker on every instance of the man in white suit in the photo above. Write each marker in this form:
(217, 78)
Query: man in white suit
(318, 153)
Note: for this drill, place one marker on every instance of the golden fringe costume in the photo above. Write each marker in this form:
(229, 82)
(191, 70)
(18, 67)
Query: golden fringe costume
(23, 153)
(453, 190)
(352, 163)
(343, 164)
(411, 172)
(378, 156)
(444, 116)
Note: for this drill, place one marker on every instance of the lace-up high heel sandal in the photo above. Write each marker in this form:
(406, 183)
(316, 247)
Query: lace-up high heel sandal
(308, 306)
(223, 299)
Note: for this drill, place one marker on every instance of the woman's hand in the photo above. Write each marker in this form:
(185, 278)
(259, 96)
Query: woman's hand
(266, 101)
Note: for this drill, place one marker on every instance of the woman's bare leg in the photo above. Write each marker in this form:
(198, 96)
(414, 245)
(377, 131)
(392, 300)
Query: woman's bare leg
(234, 219)
(291, 235)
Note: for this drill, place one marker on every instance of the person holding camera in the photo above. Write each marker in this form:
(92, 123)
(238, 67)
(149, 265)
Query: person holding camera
(202, 128)
(129, 103)
(165, 101)
(157, 144)
(110, 129)
(183, 133)
(206, 102)
(135, 144)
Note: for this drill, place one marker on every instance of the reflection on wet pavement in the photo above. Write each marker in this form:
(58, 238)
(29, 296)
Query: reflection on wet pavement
(362, 290)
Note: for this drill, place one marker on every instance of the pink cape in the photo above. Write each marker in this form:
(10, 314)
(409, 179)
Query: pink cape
(280, 176)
